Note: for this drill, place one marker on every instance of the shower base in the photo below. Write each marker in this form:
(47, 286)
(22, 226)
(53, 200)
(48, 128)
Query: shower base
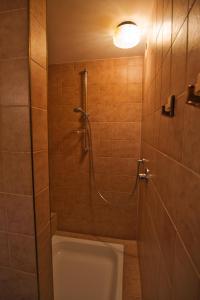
(85, 269)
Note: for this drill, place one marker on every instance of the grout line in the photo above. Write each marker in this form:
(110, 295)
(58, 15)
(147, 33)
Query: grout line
(176, 230)
(174, 160)
(15, 152)
(36, 62)
(93, 60)
(13, 10)
(18, 270)
(39, 108)
(14, 106)
(13, 194)
(14, 58)
(41, 191)
(158, 242)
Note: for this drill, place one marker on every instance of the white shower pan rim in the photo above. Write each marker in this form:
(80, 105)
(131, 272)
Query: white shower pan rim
(62, 244)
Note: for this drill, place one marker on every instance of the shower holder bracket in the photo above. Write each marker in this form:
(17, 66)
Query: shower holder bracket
(169, 107)
(192, 98)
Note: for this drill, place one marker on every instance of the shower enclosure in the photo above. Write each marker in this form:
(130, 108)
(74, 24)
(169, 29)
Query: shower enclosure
(113, 94)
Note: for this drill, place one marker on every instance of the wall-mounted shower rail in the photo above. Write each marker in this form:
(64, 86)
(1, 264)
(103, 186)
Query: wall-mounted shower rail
(84, 100)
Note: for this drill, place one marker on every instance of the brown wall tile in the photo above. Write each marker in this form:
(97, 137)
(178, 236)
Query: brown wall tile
(114, 105)
(45, 264)
(22, 252)
(180, 9)
(191, 146)
(16, 173)
(38, 42)
(169, 209)
(16, 4)
(179, 54)
(14, 34)
(42, 210)
(39, 129)
(15, 127)
(14, 73)
(4, 250)
(17, 284)
(193, 64)
(186, 284)
(41, 178)
(19, 209)
(38, 9)
(38, 86)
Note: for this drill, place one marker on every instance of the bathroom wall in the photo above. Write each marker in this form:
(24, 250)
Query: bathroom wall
(18, 269)
(39, 133)
(169, 240)
(25, 250)
(114, 105)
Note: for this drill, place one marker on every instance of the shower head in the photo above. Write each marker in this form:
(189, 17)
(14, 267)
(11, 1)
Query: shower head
(80, 110)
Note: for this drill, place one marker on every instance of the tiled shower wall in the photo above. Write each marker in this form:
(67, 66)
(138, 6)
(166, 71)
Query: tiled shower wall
(38, 84)
(18, 278)
(114, 106)
(24, 201)
(169, 235)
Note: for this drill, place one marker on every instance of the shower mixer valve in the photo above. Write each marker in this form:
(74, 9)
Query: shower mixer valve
(146, 175)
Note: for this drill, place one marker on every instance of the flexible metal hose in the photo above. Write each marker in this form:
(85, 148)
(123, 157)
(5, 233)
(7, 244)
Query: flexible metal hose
(92, 167)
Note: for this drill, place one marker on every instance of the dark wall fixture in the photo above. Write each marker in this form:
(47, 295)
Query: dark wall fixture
(192, 98)
(168, 108)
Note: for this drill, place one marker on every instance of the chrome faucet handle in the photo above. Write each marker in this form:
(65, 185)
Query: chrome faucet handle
(79, 131)
(147, 175)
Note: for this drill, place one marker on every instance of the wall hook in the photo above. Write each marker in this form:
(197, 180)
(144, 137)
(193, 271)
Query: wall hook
(168, 108)
(192, 98)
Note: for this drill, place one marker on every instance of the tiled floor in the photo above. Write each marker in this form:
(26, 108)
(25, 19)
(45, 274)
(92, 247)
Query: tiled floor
(131, 278)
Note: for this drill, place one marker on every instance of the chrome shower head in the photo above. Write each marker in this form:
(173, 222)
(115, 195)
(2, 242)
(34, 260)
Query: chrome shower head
(80, 110)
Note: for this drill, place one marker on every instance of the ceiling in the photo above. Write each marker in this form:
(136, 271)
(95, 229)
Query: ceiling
(82, 29)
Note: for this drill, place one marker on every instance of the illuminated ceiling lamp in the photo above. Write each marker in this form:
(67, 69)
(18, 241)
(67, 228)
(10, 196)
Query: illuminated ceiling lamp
(126, 35)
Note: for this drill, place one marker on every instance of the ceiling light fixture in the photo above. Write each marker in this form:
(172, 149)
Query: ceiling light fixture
(126, 35)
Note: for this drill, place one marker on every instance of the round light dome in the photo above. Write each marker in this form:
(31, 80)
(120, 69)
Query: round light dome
(126, 35)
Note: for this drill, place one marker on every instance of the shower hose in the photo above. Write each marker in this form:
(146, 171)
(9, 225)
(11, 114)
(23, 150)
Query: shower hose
(92, 167)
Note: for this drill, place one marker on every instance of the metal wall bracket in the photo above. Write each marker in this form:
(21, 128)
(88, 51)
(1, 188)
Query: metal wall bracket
(168, 108)
(192, 98)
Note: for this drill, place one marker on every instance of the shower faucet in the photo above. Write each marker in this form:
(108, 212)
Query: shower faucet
(146, 175)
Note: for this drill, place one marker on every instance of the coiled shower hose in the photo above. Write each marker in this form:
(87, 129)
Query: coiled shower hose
(92, 167)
